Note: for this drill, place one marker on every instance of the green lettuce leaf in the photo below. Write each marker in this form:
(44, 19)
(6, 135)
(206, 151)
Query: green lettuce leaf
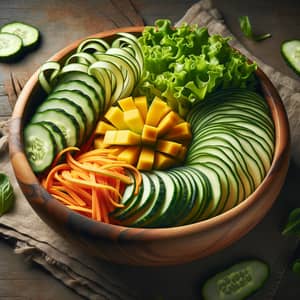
(183, 65)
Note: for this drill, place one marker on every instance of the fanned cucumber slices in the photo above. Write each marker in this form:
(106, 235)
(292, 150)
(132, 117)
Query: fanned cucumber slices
(230, 154)
(15, 38)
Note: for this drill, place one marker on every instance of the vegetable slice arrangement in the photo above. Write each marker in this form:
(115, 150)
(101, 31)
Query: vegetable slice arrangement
(176, 99)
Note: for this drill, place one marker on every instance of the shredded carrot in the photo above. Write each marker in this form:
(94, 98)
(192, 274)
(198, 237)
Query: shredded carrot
(90, 183)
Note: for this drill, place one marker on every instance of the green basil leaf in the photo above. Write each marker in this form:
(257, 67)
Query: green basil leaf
(292, 227)
(6, 194)
(246, 28)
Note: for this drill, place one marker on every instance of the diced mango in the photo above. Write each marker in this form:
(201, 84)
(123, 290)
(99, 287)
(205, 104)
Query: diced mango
(168, 147)
(146, 159)
(130, 154)
(181, 153)
(163, 161)
(102, 127)
(168, 121)
(134, 120)
(122, 137)
(110, 137)
(157, 110)
(149, 135)
(116, 117)
(142, 105)
(98, 143)
(127, 103)
(180, 132)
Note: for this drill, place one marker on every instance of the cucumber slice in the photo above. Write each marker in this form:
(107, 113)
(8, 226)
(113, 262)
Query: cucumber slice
(290, 51)
(60, 141)
(28, 34)
(10, 46)
(79, 86)
(237, 282)
(69, 107)
(64, 121)
(39, 146)
(82, 101)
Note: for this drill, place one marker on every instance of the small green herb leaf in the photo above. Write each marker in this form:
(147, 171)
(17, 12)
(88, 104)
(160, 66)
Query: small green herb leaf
(292, 226)
(246, 28)
(6, 194)
(296, 266)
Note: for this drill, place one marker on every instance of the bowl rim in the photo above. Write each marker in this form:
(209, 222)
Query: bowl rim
(282, 148)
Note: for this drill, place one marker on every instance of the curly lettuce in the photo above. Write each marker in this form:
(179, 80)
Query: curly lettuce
(184, 64)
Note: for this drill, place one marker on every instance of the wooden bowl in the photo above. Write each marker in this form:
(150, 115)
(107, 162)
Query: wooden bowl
(137, 246)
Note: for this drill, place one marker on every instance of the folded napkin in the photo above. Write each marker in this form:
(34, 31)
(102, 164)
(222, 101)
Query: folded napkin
(97, 279)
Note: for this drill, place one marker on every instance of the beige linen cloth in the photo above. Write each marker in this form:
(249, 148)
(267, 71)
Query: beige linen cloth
(94, 279)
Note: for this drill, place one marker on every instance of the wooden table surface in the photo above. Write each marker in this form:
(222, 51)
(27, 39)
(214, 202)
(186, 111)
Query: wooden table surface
(62, 22)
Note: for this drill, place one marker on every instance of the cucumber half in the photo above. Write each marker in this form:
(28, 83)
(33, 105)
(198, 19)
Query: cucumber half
(291, 53)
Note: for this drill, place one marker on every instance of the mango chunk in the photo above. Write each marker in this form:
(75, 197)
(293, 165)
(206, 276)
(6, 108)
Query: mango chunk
(98, 143)
(102, 127)
(157, 110)
(180, 132)
(168, 147)
(149, 135)
(116, 117)
(163, 161)
(142, 105)
(146, 159)
(168, 121)
(127, 103)
(181, 153)
(121, 137)
(130, 154)
(134, 120)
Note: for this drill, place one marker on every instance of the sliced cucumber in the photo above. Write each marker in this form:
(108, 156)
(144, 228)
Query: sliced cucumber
(28, 34)
(291, 52)
(10, 46)
(70, 108)
(87, 80)
(39, 146)
(237, 282)
(79, 86)
(60, 140)
(64, 121)
(82, 101)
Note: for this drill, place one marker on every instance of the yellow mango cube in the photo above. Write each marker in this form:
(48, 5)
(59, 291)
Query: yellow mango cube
(110, 137)
(130, 154)
(168, 147)
(134, 120)
(142, 105)
(99, 143)
(157, 110)
(181, 153)
(102, 127)
(163, 161)
(116, 117)
(146, 159)
(149, 135)
(127, 103)
(168, 121)
(126, 137)
(180, 132)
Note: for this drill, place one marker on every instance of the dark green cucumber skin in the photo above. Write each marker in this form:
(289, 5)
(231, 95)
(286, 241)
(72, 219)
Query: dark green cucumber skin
(287, 59)
(213, 289)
